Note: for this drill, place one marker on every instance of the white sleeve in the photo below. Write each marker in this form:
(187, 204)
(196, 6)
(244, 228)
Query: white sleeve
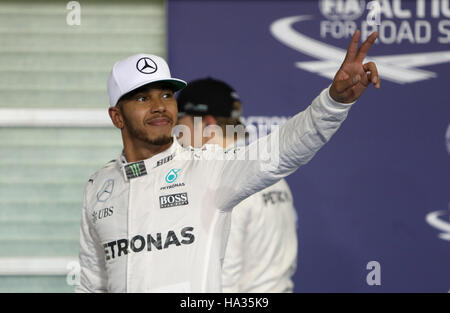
(291, 146)
(233, 264)
(91, 258)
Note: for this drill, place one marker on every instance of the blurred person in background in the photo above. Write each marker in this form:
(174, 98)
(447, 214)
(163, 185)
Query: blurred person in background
(261, 253)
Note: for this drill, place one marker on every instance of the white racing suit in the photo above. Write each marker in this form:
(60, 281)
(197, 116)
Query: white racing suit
(261, 253)
(161, 224)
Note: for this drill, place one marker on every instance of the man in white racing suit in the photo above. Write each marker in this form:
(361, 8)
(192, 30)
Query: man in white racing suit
(261, 252)
(156, 219)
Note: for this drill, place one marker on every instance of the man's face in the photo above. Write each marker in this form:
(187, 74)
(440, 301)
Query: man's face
(149, 114)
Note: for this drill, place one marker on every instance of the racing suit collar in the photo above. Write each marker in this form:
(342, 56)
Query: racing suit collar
(141, 168)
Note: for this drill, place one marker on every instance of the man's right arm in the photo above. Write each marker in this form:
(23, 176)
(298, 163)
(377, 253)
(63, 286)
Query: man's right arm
(279, 154)
(267, 160)
(92, 260)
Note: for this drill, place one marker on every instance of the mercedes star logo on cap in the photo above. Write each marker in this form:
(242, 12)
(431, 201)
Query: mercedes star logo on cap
(146, 65)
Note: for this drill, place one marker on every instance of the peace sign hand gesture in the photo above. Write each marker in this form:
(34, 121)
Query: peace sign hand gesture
(353, 77)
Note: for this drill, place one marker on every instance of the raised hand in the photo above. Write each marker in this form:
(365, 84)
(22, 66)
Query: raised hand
(353, 77)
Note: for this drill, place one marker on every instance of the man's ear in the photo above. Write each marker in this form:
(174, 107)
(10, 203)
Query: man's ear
(116, 117)
(209, 120)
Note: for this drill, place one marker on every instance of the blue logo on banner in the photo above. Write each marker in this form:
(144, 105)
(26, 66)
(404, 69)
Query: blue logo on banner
(398, 68)
(172, 175)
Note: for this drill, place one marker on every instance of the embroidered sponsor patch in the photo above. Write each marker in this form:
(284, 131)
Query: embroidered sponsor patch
(177, 199)
(136, 169)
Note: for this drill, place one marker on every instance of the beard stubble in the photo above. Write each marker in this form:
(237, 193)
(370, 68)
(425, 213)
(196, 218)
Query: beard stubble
(141, 135)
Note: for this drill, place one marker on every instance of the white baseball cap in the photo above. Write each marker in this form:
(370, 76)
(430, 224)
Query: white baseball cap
(136, 71)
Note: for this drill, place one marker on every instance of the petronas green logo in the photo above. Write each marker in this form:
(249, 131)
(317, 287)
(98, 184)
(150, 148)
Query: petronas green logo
(172, 175)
